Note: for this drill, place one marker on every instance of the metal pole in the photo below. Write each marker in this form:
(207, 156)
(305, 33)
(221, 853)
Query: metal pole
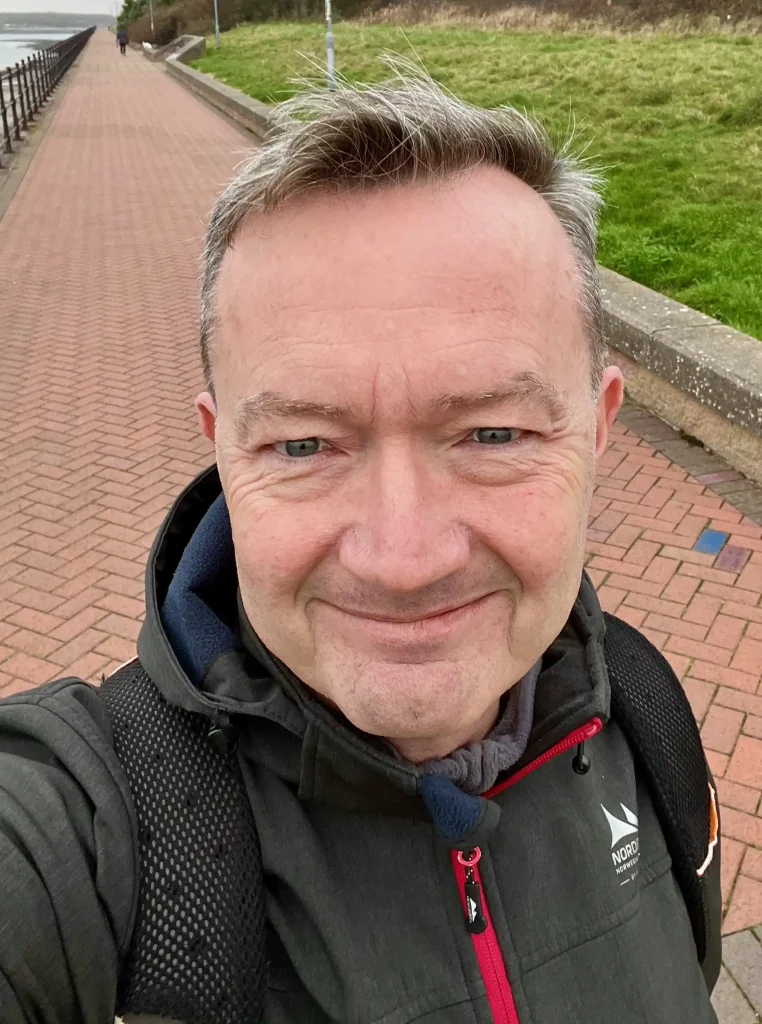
(216, 24)
(16, 126)
(150, 8)
(4, 115)
(36, 79)
(22, 104)
(48, 76)
(329, 47)
(31, 99)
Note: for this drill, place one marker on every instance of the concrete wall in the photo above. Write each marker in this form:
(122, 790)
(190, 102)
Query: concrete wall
(245, 111)
(184, 48)
(698, 374)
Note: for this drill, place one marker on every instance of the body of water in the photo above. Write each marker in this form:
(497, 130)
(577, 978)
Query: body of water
(21, 43)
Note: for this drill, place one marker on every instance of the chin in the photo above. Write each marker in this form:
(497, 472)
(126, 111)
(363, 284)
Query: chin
(409, 701)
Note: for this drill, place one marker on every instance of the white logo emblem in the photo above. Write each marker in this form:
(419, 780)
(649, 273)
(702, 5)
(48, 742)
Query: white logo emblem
(619, 828)
(625, 855)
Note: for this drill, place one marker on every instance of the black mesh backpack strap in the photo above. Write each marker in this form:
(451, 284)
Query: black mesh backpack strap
(650, 706)
(197, 951)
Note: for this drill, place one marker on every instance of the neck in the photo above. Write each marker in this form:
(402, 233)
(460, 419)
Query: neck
(417, 749)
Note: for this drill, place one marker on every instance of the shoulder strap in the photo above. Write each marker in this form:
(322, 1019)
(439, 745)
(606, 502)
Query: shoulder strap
(653, 711)
(197, 952)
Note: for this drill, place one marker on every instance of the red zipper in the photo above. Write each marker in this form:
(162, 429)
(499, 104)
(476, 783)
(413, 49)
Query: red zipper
(585, 732)
(478, 920)
(479, 923)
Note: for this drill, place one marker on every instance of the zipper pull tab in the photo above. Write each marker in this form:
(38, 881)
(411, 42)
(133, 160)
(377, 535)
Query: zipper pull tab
(476, 922)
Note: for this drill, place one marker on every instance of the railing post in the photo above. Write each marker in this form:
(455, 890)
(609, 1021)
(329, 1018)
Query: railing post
(35, 81)
(33, 84)
(30, 109)
(4, 115)
(16, 126)
(21, 98)
(41, 76)
(48, 74)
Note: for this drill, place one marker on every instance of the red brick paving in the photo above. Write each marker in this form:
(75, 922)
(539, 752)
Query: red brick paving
(647, 514)
(97, 433)
(99, 262)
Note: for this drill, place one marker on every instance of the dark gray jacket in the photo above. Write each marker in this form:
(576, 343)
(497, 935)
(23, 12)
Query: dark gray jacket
(366, 919)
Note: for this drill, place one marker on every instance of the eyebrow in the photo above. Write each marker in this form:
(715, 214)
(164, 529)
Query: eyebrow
(523, 387)
(274, 405)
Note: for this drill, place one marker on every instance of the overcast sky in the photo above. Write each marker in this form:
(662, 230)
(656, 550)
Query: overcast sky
(61, 6)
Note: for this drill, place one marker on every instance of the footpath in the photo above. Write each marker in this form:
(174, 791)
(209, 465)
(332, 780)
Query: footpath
(99, 264)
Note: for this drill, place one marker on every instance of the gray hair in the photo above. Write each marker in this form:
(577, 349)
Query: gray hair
(406, 130)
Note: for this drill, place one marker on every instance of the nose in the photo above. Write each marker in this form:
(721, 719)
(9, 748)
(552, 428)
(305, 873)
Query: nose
(405, 535)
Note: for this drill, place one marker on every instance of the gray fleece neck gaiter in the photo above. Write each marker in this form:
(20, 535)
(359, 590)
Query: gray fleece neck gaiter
(475, 768)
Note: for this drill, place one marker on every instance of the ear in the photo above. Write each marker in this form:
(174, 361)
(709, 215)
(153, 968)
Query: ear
(207, 415)
(609, 402)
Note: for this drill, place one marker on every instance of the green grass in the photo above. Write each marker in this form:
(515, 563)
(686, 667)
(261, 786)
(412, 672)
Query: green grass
(675, 122)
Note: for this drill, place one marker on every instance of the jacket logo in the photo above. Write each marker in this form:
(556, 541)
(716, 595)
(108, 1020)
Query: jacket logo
(625, 855)
(619, 828)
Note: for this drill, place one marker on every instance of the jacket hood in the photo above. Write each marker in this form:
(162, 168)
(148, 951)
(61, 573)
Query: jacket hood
(204, 657)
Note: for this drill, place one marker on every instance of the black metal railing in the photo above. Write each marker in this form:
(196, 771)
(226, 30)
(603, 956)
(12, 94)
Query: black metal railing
(27, 86)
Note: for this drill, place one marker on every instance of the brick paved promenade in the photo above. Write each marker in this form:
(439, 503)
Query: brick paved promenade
(99, 265)
(97, 428)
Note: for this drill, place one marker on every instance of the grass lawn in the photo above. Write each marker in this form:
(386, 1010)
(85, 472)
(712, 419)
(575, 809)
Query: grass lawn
(675, 122)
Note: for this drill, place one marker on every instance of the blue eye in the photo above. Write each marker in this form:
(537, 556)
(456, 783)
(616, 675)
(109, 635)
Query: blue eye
(495, 435)
(300, 449)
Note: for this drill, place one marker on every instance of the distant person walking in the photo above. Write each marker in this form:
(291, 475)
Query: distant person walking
(121, 38)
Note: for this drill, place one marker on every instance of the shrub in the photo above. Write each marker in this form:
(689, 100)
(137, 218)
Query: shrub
(196, 16)
(184, 17)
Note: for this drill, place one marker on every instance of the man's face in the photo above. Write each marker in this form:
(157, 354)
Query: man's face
(406, 437)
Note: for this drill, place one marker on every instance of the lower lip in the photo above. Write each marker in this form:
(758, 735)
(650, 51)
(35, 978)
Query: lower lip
(434, 629)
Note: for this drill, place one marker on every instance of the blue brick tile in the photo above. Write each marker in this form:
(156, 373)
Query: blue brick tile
(710, 542)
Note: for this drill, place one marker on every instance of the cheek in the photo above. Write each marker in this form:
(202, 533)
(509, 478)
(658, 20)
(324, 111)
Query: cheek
(277, 546)
(538, 528)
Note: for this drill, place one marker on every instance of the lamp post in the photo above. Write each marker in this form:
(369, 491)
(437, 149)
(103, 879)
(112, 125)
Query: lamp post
(329, 49)
(216, 24)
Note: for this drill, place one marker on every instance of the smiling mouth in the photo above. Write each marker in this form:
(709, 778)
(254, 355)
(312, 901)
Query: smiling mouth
(433, 625)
